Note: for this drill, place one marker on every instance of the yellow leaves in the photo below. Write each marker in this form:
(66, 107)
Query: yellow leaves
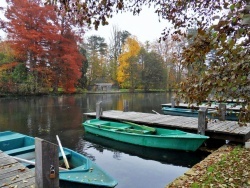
(127, 59)
(131, 47)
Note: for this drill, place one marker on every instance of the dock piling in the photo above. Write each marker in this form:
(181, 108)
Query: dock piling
(202, 123)
(47, 164)
(222, 110)
(98, 109)
(125, 106)
(172, 102)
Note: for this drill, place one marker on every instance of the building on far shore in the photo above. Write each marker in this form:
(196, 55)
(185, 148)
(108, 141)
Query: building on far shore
(102, 86)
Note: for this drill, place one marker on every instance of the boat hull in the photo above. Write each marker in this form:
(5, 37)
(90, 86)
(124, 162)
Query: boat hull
(82, 170)
(163, 138)
(231, 115)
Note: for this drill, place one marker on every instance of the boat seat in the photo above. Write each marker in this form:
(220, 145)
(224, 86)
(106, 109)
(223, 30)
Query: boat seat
(30, 148)
(20, 150)
(30, 155)
(10, 136)
(136, 131)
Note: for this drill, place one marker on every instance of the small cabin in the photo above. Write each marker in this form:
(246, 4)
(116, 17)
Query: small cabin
(103, 86)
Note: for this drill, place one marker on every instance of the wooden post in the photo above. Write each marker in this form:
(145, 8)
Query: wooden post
(222, 110)
(209, 98)
(47, 164)
(202, 123)
(125, 106)
(98, 110)
(172, 102)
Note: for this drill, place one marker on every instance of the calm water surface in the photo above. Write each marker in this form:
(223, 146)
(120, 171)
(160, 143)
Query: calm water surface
(132, 166)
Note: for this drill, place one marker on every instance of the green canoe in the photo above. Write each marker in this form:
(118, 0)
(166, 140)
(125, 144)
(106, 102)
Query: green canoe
(82, 170)
(145, 136)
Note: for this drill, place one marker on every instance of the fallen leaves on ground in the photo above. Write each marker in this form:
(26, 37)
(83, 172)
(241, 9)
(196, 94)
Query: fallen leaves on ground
(229, 166)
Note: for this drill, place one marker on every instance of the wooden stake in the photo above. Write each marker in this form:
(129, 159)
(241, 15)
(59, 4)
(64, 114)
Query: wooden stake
(125, 106)
(98, 110)
(46, 157)
(202, 123)
(222, 110)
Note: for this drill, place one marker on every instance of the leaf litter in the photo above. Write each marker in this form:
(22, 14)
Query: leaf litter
(229, 166)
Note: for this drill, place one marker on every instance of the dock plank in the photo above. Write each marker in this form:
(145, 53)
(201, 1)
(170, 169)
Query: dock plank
(14, 174)
(226, 130)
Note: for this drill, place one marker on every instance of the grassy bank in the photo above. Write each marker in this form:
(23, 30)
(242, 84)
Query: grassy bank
(229, 166)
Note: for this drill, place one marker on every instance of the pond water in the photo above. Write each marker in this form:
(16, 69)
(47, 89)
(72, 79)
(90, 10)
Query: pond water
(132, 166)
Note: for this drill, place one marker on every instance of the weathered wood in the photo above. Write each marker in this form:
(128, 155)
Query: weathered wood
(47, 163)
(125, 106)
(224, 130)
(172, 102)
(98, 109)
(14, 174)
(222, 110)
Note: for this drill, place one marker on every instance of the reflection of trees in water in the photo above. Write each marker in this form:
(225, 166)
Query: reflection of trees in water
(117, 155)
(175, 157)
(141, 102)
(83, 146)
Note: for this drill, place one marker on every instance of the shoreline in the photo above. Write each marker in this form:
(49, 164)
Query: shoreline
(201, 169)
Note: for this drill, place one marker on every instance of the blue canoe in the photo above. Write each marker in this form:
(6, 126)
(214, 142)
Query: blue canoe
(82, 170)
(230, 115)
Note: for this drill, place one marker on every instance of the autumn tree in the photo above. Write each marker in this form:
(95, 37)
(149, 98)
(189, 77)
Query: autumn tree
(171, 52)
(45, 43)
(153, 72)
(7, 54)
(129, 69)
(8, 68)
(177, 43)
(83, 79)
(228, 37)
(117, 40)
(97, 59)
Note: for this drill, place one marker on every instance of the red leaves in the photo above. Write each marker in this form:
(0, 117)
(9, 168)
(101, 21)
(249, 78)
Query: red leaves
(45, 42)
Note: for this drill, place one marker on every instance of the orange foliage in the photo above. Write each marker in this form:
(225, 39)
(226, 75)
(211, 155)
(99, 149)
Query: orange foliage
(7, 66)
(44, 41)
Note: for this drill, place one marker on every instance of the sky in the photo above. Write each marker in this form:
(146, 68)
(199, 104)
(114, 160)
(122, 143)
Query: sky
(146, 26)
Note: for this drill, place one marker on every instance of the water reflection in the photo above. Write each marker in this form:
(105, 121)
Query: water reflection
(174, 157)
(132, 166)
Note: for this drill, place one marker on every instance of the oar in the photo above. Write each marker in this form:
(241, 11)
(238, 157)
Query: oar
(155, 112)
(63, 154)
(31, 162)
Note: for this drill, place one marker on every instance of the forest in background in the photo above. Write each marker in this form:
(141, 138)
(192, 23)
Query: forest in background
(205, 53)
(47, 53)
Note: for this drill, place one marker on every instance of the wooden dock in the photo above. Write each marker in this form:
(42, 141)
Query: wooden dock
(14, 174)
(223, 130)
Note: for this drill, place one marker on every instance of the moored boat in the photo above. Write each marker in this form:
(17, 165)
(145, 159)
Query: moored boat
(188, 112)
(145, 136)
(82, 170)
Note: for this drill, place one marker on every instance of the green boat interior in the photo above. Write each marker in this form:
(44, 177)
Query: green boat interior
(124, 127)
(130, 127)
